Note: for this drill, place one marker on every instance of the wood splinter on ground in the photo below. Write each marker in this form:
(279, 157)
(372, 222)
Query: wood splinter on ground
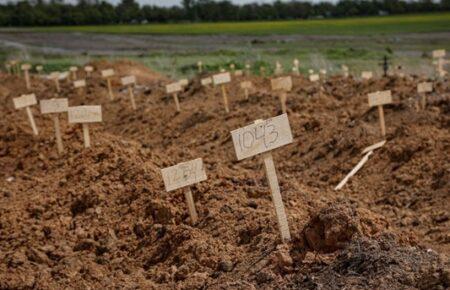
(222, 79)
(174, 89)
(85, 115)
(55, 107)
(282, 85)
(260, 138)
(183, 175)
(25, 101)
(379, 99)
(130, 82)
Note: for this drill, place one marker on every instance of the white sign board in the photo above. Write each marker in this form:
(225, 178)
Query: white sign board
(282, 84)
(59, 105)
(424, 87)
(314, 78)
(25, 101)
(26, 66)
(107, 73)
(183, 174)
(262, 137)
(222, 78)
(73, 68)
(173, 88)
(206, 81)
(184, 82)
(380, 98)
(366, 75)
(79, 84)
(129, 80)
(439, 53)
(85, 114)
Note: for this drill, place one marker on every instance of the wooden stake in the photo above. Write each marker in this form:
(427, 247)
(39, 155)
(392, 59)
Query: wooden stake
(58, 88)
(177, 103)
(86, 137)
(111, 95)
(383, 125)
(225, 98)
(190, 204)
(32, 123)
(246, 93)
(59, 143)
(283, 98)
(276, 195)
(133, 103)
(27, 79)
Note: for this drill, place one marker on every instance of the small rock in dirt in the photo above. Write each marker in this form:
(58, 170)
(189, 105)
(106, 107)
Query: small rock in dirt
(226, 266)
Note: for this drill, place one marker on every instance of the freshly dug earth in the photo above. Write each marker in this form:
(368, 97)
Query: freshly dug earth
(100, 217)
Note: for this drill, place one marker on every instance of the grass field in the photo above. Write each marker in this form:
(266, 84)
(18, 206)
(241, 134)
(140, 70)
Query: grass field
(436, 22)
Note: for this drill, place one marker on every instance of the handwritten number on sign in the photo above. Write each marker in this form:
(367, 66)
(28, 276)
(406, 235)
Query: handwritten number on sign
(266, 131)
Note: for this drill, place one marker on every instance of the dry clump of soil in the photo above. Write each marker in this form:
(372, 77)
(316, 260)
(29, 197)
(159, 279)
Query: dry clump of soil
(100, 217)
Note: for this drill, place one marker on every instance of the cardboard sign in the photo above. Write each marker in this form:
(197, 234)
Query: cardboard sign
(79, 84)
(246, 85)
(206, 81)
(439, 53)
(380, 98)
(314, 78)
(184, 82)
(222, 78)
(366, 75)
(85, 114)
(59, 105)
(25, 66)
(425, 87)
(239, 73)
(25, 101)
(183, 174)
(88, 69)
(107, 73)
(282, 84)
(173, 88)
(262, 137)
(129, 80)
(73, 69)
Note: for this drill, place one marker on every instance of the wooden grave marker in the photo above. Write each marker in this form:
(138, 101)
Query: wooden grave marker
(39, 69)
(222, 79)
(130, 82)
(423, 89)
(262, 71)
(246, 86)
(108, 74)
(80, 86)
(238, 73)
(173, 89)
(314, 78)
(344, 71)
(200, 67)
(73, 70)
(55, 77)
(366, 75)
(282, 85)
(54, 107)
(379, 99)
(206, 81)
(183, 175)
(439, 55)
(260, 138)
(296, 67)
(247, 69)
(88, 70)
(184, 82)
(8, 68)
(26, 71)
(278, 69)
(85, 115)
(26, 101)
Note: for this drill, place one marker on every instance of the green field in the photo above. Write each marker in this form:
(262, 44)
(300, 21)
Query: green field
(436, 22)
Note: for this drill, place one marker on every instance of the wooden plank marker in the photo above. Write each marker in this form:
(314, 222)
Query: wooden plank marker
(282, 85)
(439, 55)
(183, 175)
(174, 89)
(296, 67)
(26, 71)
(323, 74)
(206, 81)
(108, 74)
(278, 68)
(423, 89)
(55, 77)
(222, 79)
(247, 69)
(260, 138)
(8, 68)
(314, 78)
(184, 82)
(238, 73)
(232, 67)
(200, 67)
(39, 69)
(379, 99)
(80, 86)
(130, 82)
(85, 115)
(368, 152)
(366, 75)
(262, 71)
(54, 107)
(344, 71)
(246, 86)
(88, 70)
(73, 70)
(25, 101)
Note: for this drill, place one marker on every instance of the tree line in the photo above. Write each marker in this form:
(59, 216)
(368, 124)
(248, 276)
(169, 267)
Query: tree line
(96, 12)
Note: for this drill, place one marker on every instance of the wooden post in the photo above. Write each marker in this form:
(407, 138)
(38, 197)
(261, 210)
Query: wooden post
(225, 98)
(130, 91)
(190, 204)
(282, 85)
(276, 194)
(200, 67)
(379, 99)
(86, 137)
(27, 79)
(246, 93)
(58, 137)
(110, 92)
(177, 103)
(383, 125)
(32, 123)
(58, 88)
(283, 98)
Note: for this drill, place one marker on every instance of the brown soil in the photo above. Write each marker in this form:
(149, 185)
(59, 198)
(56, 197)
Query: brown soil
(100, 218)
